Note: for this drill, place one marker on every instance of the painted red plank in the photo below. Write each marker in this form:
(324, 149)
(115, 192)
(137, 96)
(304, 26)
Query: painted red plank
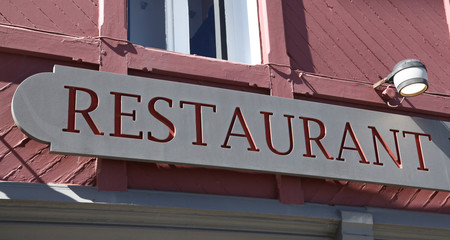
(382, 34)
(384, 197)
(42, 167)
(445, 206)
(355, 49)
(113, 57)
(62, 22)
(376, 54)
(13, 15)
(425, 18)
(420, 199)
(111, 175)
(403, 197)
(90, 8)
(14, 163)
(302, 55)
(195, 67)
(366, 25)
(13, 137)
(41, 164)
(437, 7)
(87, 23)
(368, 192)
(84, 175)
(61, 47)
(6, 120)
(389, 38)
(290, 189)
(281, 84)
(200, 81)
(28, 172)
(71, 170)
(3, 19)
(437, 202)
(13, 71)
(35, 15)
(321, 43)
(320, 190)
(166, 177)
(353, 194)
(358, 93)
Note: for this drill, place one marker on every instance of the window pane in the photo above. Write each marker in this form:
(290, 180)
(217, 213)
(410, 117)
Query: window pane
(146, 23)
(202, 28)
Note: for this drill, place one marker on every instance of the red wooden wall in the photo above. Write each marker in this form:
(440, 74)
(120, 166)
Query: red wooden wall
(351, 40)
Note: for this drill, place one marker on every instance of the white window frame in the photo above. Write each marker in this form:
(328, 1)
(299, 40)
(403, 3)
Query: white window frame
(177, 26)
(242, 28)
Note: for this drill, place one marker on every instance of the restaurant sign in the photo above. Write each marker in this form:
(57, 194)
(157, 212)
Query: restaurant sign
(84, 112)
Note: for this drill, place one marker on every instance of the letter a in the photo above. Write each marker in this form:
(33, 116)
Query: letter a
(248, 135)
(348, 129)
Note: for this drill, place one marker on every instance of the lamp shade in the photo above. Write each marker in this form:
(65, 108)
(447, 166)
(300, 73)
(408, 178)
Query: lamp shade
(409, 77)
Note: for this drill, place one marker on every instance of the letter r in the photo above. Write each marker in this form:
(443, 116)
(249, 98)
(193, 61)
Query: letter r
(85, 113)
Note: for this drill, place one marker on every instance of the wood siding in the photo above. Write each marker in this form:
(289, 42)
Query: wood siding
(352, 39)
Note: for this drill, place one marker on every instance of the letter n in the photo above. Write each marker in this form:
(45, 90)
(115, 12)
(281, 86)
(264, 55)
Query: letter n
(375, 136)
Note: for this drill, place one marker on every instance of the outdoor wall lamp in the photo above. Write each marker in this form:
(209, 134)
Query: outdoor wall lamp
(409, 77)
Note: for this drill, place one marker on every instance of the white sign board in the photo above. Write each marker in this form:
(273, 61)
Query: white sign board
(92, 113)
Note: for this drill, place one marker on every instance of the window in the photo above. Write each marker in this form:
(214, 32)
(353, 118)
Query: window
(224, 29)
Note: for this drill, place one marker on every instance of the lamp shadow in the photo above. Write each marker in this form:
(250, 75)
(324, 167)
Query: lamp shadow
(440, 131)
(120, 49)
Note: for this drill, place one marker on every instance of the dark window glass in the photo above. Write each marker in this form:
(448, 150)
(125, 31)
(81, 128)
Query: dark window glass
(207, 37)
(146, 23)
(202, 28)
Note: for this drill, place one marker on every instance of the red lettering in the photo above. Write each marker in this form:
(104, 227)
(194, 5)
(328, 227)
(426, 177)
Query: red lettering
(348, 129)
(269, 133)
(375, 136)
(317, 139)
(419, 148)
(85, 113)
(161, 118)
(118, 115)
(248, 135)
(198, 119)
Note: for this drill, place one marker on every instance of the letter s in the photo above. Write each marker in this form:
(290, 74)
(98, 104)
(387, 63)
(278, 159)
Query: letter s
(161, 118)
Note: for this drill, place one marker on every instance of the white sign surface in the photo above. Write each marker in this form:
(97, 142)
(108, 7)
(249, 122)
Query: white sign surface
(84, 112)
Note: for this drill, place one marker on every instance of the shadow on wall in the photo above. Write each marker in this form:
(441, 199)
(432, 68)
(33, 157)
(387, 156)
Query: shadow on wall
(441, 128)
(120, 49)
(32, 191)
(297, 43)
(297, 40)
(8, 189)
(10, 150)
